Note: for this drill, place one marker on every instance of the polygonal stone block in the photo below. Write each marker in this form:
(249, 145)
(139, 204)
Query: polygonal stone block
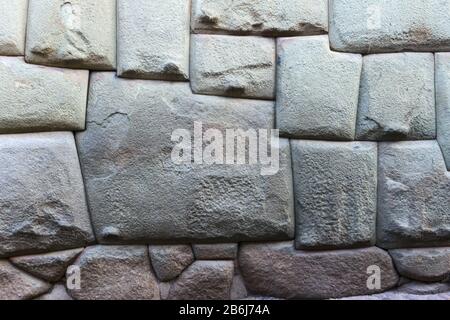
(443, 103)
(12, 27)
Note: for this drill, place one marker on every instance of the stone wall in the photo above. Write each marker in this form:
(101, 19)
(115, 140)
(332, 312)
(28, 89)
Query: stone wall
(360, 93)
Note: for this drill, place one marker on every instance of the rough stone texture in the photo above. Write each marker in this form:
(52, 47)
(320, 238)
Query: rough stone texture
(428, 264)
(47, 266)
(335, 186)
(397, 100)
(58, 292)
(170, 261)
(75, 34)
(35, 98)
(278, 270)
(443, 103)
(388, 26)
(17, 285)
(317, 89)
(12, 27)
(115, 273)
(414, 287)
(204, 280)
(224, 251)
(413, 201)
(42, 200)
(153, 39)
(274, 17)
(137, 193)
(238, 290)
(233, 66)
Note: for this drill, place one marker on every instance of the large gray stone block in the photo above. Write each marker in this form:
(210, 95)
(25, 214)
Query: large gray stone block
(443, 103)
(317, 89)
(12, 27)
(137, 193)
(153, 39)
(233, 66)
(75, 34)
(42, 200)
(397, 98)
(278, 270)
(35, 98)
(373, 26)
(413, 195)
(273, 17)
(335, 185)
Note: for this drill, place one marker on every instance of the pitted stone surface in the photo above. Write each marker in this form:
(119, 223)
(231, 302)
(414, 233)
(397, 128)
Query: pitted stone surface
(427, 264)
(371, 26)
(12, 27)
(278, 270)
(273, 17)
(397, 99)
(317, 89)
(115, 273)
(153, 39)
(47, 266)
(413, 201)
(169, 261)
(443, 103)
(75, 34)
(35, 98)
(42, 200)
(233, 66)
(137, 193)
(335, 186)
(58, 292)
(223, 251)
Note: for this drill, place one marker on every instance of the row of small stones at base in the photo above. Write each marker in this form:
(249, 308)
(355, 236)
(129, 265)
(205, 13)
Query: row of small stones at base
(178, 272)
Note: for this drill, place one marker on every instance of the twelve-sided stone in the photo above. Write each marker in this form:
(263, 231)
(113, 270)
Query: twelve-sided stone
(138, 193)
(443, 103)
(335, 187)
(12, 27)
(317, 89)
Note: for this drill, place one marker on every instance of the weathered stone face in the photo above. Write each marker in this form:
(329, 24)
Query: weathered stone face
(137, 193)
(443, 103)
(170, 261)
(12, 27)
(153, 39)
(67, 34)
(335, 186)
(223, 251)
(42, 200)
(317, 89)
(371, 26)
(274, 17)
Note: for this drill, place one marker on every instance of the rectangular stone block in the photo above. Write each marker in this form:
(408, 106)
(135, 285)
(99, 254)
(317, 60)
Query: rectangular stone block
(153, 39)
(443, 103)
(12, 27)
(335, 185)
(233, 66)
(35, 98)
(269, 17)
(374, 26)
(75, 34)
(317, 89)
(138, 193)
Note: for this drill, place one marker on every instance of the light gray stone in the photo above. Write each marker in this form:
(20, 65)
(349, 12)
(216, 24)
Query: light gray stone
(278, 270)
(335, 186)
(443, 103)
(115, 273)
(423, 264)
(317, 89)
(12, 27)
(47, 266)
(17, 285)
(399, 296)
(233, 66)
(58, 292)
(169, 261)
(35, 98)
(74, 34)
(153, 39)
(425, 288)
(273, 17)
(238, 290)
(204, 280)
(387, 26)
(138, 194)
(42, 199)
(413, 201)
(223, 251)
(397, 99)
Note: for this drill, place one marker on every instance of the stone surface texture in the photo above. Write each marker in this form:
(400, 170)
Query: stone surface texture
(443, 103)
(12, 27)
(224, 251)
(170, 261)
